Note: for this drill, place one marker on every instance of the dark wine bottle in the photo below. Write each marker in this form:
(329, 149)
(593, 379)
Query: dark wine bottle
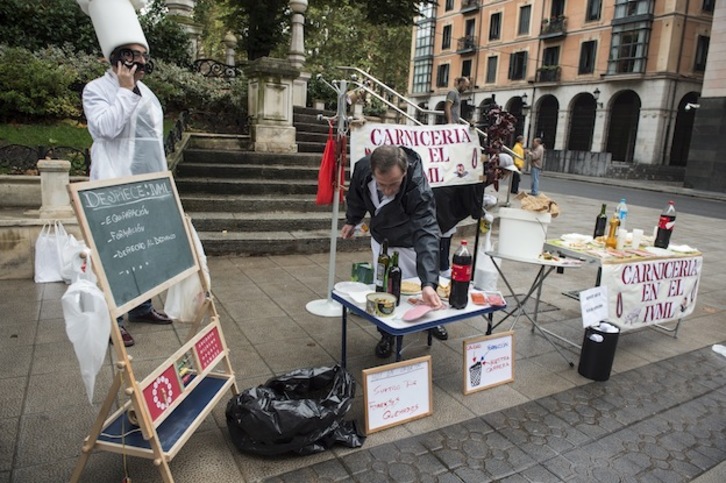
(382, 267)
(394, 278)
(601, 222)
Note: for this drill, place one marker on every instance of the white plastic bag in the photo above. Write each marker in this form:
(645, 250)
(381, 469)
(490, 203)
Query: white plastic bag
(72, 263)
(184, 299)
(48, 248)
(88, 325)
(486, 274)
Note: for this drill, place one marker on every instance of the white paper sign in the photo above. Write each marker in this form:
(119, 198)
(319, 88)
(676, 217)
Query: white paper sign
(651, 292)
(450, 152)
(594, 305)
(488, 361)
(397, 393)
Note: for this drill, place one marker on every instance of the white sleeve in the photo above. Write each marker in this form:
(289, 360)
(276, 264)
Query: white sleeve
(108, 113)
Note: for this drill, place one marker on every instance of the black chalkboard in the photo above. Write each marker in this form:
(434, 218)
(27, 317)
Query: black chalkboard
(136, 228)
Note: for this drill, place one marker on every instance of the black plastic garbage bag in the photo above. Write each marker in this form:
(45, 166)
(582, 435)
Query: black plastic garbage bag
(300, 412)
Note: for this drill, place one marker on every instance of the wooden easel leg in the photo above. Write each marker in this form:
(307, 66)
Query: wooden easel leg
(96, 429)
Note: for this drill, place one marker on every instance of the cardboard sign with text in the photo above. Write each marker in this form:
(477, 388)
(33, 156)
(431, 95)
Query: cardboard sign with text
(450, 152)
(651, 292)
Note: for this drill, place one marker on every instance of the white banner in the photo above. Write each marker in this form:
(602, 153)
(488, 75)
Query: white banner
(651, 292)
(450, 152)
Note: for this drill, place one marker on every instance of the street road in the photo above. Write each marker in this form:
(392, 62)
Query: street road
(634, 197)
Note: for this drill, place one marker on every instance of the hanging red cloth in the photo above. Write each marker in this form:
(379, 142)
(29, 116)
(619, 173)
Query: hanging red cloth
(326, 175)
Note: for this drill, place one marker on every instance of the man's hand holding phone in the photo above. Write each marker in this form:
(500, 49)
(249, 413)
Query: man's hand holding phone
(126, 74)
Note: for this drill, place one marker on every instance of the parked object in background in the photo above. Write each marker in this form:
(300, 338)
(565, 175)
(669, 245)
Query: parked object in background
(665, 226)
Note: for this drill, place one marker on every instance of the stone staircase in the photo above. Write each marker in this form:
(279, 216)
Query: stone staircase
(249, 203)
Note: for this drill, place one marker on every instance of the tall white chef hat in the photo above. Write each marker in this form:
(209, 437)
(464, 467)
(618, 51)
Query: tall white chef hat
(115, 22)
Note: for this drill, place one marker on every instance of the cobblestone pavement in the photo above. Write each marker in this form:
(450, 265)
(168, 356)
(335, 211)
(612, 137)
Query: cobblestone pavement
(664, 422)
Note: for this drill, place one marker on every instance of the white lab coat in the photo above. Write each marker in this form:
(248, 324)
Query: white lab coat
(127, 129)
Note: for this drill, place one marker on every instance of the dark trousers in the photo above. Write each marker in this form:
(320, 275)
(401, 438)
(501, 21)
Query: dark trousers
(515, 182)
(444, 248)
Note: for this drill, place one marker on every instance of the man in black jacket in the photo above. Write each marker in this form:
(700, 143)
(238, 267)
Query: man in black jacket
(390, 185)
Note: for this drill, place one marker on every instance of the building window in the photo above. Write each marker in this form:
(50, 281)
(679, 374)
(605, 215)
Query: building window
(630, 8)
(422, 75)
(525, 13)
(701, 53)
(425, 35)
(446, 41)
(449, 5)
(495, 26)
(629, 48)
(551, 56)
(587, 57)
(558, 8)
(466, 68)
(492, 69)
(593, 10)
(470, 28)
(708, 5)
(518, 65)
(442, 76)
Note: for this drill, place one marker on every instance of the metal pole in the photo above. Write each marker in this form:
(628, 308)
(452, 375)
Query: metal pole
(328, 307)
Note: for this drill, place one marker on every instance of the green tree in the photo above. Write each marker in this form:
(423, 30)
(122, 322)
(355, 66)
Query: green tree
(34, 24)
(262, 26)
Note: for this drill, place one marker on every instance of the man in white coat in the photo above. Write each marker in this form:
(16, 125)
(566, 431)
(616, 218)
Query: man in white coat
(124, 116)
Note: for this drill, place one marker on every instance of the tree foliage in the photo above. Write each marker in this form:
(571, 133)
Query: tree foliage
(34, 24)
(262, 26)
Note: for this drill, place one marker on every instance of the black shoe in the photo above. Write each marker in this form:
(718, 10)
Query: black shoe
(439, 332)
(384, 348)
(152, 317)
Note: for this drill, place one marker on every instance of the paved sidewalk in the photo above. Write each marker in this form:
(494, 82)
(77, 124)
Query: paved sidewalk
(659, 418)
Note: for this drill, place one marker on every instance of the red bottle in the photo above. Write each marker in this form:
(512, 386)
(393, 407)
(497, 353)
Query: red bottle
(666, 222)
(460, 277)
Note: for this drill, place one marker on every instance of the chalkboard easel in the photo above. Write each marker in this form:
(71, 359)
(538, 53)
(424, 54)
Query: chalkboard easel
(140, 242)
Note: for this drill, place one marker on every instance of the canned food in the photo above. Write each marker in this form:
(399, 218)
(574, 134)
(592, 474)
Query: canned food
(381, 304)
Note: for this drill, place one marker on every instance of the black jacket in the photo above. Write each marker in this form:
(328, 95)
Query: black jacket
(456, 203)
(409, 221)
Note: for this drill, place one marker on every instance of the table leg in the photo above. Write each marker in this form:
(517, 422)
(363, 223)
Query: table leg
(429, 337)
(344, 339)
(490, 323)
(399, 344)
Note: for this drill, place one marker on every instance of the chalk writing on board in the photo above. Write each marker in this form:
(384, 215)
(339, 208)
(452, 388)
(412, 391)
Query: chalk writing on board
(139, 232)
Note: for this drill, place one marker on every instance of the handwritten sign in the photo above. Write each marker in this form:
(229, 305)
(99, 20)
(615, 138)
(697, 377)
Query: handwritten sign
(594, 305)
(397, 393)
(488, 361)
(137, 228)
(652, 292)
(450, 152)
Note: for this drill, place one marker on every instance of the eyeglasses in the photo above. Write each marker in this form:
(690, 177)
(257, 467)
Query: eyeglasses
(128, 55)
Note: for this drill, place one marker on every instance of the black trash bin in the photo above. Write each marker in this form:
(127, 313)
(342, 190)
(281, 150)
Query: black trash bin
(598, 353)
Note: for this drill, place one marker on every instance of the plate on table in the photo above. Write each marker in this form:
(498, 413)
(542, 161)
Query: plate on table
(411, 286)
(348, 288)
(661, 252)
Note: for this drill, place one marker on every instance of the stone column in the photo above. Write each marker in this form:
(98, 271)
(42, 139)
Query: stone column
(56, 202)
(182, 11)
(230, 41)
(270, 104)
(296, 55)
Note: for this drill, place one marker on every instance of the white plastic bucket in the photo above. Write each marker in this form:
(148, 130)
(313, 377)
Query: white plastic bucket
(522, 233)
